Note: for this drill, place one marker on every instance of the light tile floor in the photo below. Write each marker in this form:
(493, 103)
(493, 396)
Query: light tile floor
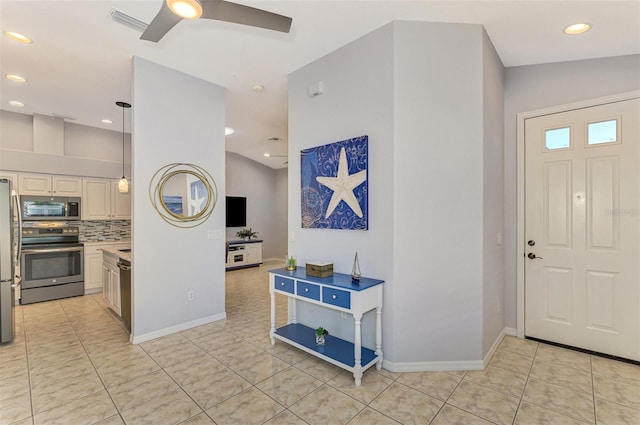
(71, 363)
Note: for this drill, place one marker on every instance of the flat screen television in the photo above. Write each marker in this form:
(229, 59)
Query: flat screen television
(236, 211)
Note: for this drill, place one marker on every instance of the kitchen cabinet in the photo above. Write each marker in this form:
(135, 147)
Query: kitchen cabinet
(13, 177)
(93, 259)
(48, 185)
(111, 282)
(101, 200)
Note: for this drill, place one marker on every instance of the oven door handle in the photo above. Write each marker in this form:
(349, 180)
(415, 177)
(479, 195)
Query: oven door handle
(44, 251)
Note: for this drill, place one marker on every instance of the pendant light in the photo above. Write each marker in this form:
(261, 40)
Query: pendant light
(123, 184)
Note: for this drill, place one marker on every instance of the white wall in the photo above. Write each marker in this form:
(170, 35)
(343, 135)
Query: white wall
(528, 88)
(266, 203)
(493, 202)
(438, 191)
(86, 151)
(358, 100)
(176, 118)
(421, 101)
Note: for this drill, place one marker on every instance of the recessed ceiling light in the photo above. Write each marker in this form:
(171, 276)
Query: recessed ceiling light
(228, 131)
(16, 103)
(16, 78)
(575, 29)
(106, 121)
(257, 88)
(267, 155)
(188, 9)
(18, 37)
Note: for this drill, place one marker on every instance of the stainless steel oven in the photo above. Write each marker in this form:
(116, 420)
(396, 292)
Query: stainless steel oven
(52, 263)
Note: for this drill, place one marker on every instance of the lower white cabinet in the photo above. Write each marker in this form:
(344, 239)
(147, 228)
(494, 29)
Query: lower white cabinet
(93, 273)
(111, 282)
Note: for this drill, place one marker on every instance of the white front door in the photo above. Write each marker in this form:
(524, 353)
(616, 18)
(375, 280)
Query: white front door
(582, 228)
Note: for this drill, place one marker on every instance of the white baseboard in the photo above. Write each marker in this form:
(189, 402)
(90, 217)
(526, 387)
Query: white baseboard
(432, 366)
(92, 291)
(137, 339)
(493, 348)
(273, 260)
(448, 365)
(511, 331)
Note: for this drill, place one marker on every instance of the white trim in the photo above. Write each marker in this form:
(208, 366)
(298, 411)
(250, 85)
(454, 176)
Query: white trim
(137, 339)
(521, 117)
(273, 260)
(432, 366)
(443, 366)
(494, 347)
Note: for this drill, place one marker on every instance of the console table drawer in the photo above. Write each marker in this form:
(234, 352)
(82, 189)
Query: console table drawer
(336, 297)
(308, 290)
(284, 284)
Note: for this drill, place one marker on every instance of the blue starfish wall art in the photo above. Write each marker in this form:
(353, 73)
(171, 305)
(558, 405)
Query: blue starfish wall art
(335, 186)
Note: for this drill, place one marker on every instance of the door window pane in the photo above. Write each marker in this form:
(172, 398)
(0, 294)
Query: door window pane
(602, 132)
(558, 138)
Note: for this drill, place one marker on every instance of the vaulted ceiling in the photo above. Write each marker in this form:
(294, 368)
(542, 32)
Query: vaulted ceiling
(79, 63)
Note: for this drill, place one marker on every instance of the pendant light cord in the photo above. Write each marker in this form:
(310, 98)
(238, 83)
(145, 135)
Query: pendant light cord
(123, 141)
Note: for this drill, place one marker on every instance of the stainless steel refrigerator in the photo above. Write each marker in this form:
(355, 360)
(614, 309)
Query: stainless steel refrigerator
(9, 257)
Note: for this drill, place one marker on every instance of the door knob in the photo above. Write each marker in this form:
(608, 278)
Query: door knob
(533, 256)
(531, 242)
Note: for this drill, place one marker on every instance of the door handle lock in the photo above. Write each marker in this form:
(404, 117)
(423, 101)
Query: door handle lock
(533, 256)
(531, 242)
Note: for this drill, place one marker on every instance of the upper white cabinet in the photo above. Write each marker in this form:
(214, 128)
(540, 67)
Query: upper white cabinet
(101, 200)
(47, 185)
(11, 176)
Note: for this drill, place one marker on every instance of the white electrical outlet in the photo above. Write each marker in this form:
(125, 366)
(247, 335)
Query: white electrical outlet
(191, 295)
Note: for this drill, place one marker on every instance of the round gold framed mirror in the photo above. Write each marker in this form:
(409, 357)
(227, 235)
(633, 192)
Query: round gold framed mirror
(183, 194)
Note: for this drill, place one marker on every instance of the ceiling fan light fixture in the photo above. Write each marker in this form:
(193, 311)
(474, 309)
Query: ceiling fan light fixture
(187, 9)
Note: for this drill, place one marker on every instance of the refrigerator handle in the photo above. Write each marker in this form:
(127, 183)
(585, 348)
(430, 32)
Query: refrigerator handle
(15, 195)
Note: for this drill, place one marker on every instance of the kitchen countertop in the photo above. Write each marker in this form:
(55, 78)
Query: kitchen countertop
(117, 253)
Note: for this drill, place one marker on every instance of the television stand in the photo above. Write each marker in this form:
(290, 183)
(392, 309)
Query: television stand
(243, 253)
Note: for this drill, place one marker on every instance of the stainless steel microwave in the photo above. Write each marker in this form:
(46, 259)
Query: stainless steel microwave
(50, 208)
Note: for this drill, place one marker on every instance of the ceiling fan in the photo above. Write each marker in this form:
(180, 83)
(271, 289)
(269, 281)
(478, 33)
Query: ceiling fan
(173, 11)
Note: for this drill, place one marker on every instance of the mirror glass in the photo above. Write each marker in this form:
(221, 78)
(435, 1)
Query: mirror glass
(184, 194)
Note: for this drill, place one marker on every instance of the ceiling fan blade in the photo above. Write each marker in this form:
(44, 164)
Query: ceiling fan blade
(237, 13)
(161, 24)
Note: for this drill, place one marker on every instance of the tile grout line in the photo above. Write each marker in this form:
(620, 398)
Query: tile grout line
(524, 387)
(593, 390)
(104, 385)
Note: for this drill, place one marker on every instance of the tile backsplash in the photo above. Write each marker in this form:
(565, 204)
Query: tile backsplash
(97, 231)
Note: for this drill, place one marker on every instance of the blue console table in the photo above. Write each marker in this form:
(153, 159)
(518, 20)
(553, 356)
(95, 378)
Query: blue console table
(336, 292)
